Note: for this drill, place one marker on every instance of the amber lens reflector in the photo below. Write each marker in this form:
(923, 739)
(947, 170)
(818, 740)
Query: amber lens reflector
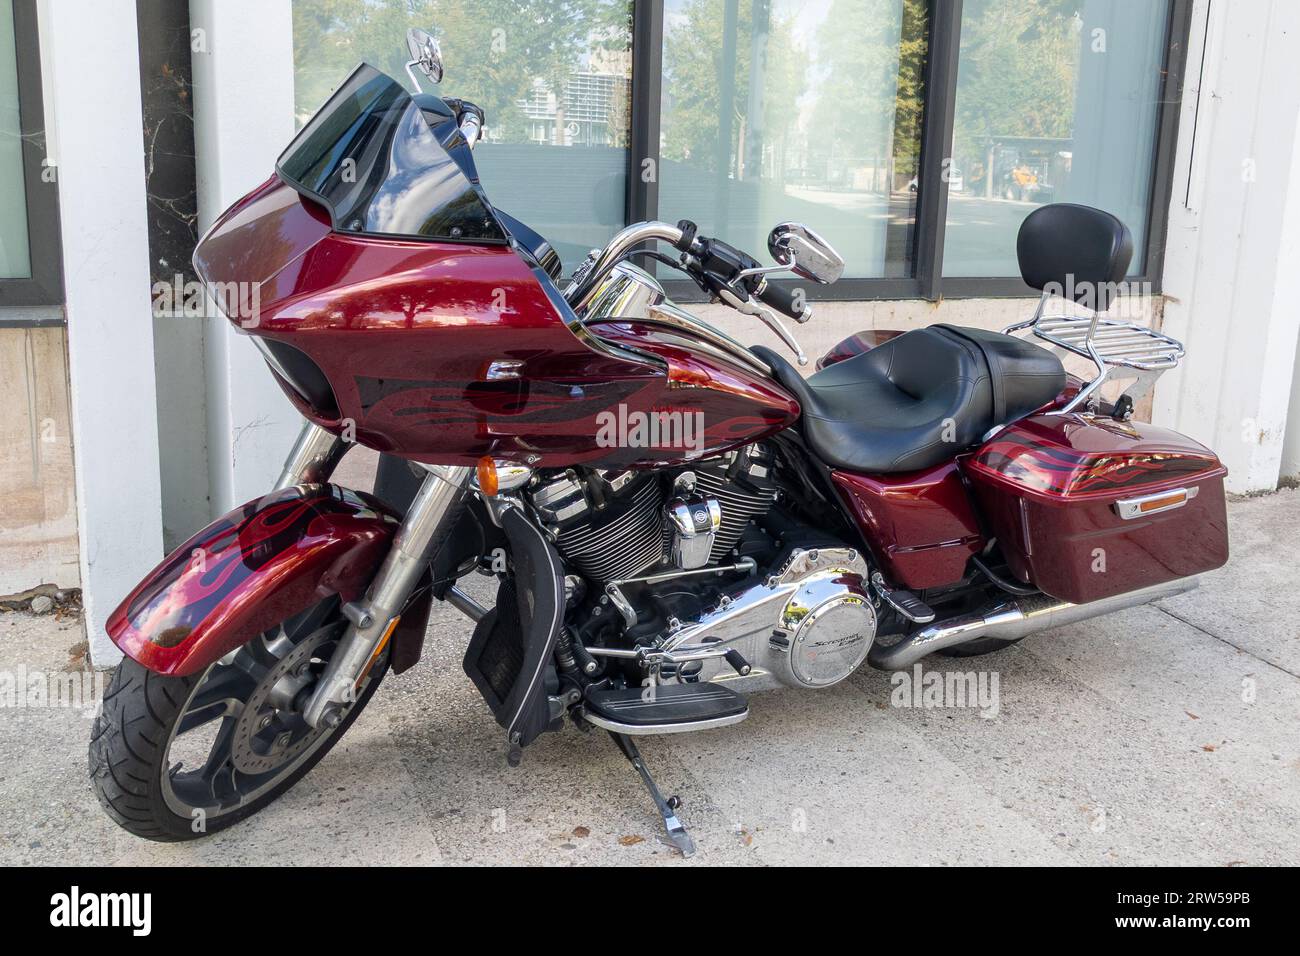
(379, 649)
(1164, 502)
(487, 476)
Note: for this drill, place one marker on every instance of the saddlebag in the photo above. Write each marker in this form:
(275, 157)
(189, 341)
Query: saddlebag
(1086, 507)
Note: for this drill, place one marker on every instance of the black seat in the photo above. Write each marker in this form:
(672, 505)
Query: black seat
(920, 398)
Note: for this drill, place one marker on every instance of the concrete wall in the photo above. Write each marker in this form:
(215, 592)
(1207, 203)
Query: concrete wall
(38, 508)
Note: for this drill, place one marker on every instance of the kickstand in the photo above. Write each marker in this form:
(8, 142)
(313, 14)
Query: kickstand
(677, 834)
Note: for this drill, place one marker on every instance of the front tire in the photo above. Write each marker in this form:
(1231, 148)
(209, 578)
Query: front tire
(134, 739)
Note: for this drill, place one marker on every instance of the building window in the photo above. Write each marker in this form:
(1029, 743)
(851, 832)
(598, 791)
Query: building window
(548, 73)
(15, 253)
(780, 109)
(30, 270)
(1055, 103)
(915, 135)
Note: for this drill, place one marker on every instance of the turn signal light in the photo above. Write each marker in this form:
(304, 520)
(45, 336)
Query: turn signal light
(487, 476)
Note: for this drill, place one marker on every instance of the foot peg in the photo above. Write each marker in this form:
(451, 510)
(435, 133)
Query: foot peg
(665, 709)
(677, 835)
(904, 602)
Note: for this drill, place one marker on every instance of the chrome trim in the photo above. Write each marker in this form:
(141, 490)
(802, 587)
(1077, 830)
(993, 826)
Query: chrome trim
(712, 341)
(630, 294)
(313, 458)
(510, 476)
(695, 520)
(465, 604)
(748, 565)
(580, 291)
(627, 292)
(1013, 620)
(1130, 508)
(1108, 344)
(804, 252)
(767, 622)
(502, 369)
(649, 730)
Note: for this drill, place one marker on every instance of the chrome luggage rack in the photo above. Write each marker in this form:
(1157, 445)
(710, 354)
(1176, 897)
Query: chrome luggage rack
(1108, 344)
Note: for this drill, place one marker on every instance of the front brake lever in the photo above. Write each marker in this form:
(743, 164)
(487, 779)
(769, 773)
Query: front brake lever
(769, 318)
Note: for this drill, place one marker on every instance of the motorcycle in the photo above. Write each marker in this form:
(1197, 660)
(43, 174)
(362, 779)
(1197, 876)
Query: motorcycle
(672, 520)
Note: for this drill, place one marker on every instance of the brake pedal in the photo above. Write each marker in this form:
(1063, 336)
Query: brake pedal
(904, 602)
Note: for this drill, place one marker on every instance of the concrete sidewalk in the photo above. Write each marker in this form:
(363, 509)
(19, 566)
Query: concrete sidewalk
(1165, 734)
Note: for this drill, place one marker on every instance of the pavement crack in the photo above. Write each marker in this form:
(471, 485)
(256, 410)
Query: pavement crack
(1249, 653)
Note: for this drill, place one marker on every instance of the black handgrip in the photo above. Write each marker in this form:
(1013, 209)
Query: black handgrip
(787, 302)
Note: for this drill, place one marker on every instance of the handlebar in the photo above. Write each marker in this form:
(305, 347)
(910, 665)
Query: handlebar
(625, 241)
(719, 269)
(469, 118)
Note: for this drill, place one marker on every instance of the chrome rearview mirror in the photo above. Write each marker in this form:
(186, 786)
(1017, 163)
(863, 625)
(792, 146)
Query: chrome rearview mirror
(805, 253)
(425, 53)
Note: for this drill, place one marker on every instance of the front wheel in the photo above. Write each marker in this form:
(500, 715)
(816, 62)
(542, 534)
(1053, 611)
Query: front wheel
(176, 758)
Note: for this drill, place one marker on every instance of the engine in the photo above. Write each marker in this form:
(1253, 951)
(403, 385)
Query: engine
(610, 526)
(701, 570)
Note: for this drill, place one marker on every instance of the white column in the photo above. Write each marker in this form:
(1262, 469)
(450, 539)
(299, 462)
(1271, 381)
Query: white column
(93, 80)
(1232, 268)
(243, 119)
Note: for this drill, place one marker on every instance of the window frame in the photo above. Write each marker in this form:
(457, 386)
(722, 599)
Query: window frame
(944, 43)
(45, 286)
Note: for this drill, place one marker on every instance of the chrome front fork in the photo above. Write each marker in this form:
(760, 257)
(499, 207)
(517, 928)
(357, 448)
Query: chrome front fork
(372, 620)
(313, 459)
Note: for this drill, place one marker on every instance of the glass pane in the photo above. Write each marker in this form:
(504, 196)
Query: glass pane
(15, 258)
(548, 73)
(1056, 102)
(796, 109)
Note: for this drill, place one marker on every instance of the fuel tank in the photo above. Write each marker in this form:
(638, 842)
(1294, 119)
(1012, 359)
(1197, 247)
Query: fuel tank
(444, 352)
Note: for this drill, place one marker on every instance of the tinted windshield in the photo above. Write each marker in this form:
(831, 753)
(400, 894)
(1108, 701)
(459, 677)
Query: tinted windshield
(372, 158)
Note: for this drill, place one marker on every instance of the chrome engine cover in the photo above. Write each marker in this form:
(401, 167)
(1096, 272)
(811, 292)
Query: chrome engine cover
(809, 625)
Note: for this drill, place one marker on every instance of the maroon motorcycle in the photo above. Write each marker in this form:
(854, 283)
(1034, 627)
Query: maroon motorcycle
(672, 519)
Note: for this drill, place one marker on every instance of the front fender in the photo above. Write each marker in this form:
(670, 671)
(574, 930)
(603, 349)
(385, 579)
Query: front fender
(263, 562)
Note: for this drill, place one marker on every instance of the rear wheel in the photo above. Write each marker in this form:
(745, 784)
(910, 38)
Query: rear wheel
(175, 758)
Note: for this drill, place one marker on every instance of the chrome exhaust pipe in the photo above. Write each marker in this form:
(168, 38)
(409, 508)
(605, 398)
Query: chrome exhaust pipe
(1012, 620)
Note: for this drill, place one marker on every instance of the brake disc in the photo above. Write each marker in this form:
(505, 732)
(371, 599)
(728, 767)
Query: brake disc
(268, 736)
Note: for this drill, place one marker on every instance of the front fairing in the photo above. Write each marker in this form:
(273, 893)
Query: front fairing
(436, 347)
